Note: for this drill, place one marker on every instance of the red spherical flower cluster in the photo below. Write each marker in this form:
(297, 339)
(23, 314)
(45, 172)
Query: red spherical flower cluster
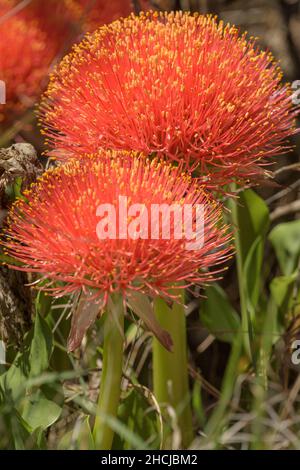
(55, 18)
(176, 85)
(63, 16)
(36, 34)
(26, 53)
(95, 13)
(54, 231)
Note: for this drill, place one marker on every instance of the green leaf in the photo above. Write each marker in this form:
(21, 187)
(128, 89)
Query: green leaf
(20, 431)
(252, 273)
(253, 220)
(14, 190)
(39, 437)
(285, 239)
(218, 315)
(17, 188)
(30, 409)
(41, 347)
(13, 381)
(43, 303)
(31, 361)
(12, 385)
(253, 224)
(23, 437)
(281, 289)
(42, 407)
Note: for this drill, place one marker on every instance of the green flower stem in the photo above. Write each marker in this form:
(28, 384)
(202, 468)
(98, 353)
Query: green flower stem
(170, 371)
(110, 388)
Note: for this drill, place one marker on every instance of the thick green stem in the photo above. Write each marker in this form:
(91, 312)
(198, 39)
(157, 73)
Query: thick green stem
(170, 372)
(110, 388)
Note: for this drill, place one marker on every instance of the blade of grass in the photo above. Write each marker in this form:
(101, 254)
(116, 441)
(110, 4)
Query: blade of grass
(218, 418)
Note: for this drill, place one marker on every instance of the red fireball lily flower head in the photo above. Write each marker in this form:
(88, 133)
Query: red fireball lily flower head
(95, 13)
(85, 15)
(176, 85)
(26, 53)
(54, 231)
(36, 34)
(55, 18)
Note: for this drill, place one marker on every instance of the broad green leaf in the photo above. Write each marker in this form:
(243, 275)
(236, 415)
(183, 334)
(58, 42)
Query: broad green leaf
(43, 303)
(30, 409)
(250, 218)
(281, 289)
(253, 223)
(218, 315)
(31, 361)
(23, 437)
(41, 347)
(14, 191)
(17, 188)
(42, 407)
(13, 381)
(252, 273)
(253, 220)
(12, 384)
(285, 239)
(20, 431)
